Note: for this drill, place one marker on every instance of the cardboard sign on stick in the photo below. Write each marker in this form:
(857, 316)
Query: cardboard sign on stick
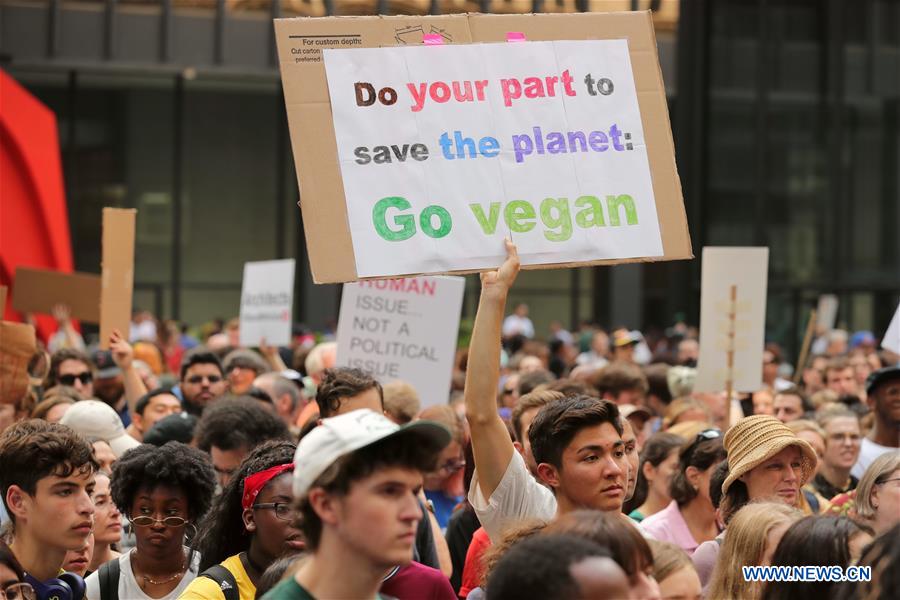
(403, 329)
(267, 298)
(827, 310)
(421, 159)
(732, 319)
(117, 272)
(891, 339)
(37, 291)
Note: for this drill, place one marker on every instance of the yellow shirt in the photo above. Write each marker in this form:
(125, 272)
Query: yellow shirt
(204, 588)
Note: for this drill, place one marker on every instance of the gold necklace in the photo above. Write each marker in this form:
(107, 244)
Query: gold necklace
(147, 579)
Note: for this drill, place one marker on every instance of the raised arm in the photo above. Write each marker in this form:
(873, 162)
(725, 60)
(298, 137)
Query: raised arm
(491, 445)
(123, 356)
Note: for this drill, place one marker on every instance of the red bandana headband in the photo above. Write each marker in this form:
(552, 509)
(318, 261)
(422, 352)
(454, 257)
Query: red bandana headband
(253, 484)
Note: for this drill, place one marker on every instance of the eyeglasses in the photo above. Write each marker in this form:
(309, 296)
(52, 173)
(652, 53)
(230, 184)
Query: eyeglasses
(887, 480)
(283, 510)
(148, 521)
(703, 436)
(85, 378)
(452, 466)
(18, 591)
(195, 379)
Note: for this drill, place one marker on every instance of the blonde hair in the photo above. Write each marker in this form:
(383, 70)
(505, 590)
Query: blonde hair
(401, 401)
(880, 468)
(689, 429)
(681, 406)
(668, 559)
(799, 425)
(745, 544)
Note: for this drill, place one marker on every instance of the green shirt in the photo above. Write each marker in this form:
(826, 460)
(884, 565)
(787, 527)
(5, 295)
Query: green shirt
(289, 589)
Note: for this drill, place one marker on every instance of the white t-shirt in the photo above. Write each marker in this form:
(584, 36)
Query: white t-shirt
(868, 452)
(128, 585)
(518, 496)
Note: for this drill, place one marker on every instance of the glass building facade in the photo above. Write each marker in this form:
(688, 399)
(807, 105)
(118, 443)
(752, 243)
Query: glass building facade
(786, 117)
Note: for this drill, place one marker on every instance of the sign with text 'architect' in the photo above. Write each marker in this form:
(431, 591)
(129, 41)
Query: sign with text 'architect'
(561, 143)
(403, 329)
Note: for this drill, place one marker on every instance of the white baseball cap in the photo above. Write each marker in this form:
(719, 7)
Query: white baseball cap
(97, 420)
(343, 434)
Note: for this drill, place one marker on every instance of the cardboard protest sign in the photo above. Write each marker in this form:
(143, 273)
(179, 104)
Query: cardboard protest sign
(37, 291)
(267, 299)
(732, 319)
(891, 339)
(826, 311)
(561, 142)
(17, 346)
(117, 272)
(403, 329)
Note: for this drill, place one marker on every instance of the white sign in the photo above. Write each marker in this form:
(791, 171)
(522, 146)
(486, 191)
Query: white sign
(732, 318)
(267, 298)
(827, 312)
(403, 329)
(449, 149)
(891, 339)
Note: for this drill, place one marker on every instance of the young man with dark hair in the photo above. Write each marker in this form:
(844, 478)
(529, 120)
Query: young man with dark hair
(72, 368)
(231, 428)
(883, 398)
(790, 404)
(344, 389)
(150, 408)
(46, 478)
(622, 383)
(356, 480)
(502, 490)
(202, 380)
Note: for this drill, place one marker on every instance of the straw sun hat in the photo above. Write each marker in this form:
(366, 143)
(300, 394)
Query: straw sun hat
(754, 440)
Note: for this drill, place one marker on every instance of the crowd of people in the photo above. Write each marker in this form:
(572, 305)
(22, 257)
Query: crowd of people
(584, 466)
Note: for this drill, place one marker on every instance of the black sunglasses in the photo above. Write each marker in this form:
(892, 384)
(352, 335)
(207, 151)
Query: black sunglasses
(85, 378)
(703, 436)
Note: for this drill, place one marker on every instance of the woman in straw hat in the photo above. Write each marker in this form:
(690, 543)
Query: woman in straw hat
(767, 461)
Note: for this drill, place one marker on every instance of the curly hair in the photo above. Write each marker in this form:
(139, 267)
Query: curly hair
(221, 533)
(174, 464)
(238, 422)
(58, 358)
(341, 383)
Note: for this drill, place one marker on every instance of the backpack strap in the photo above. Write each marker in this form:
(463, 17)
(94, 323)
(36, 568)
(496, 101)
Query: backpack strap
(224, 579)
(108, 574)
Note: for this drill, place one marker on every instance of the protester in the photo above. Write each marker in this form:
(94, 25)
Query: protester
(12, 577)
(343, 390)
(401, 402)
(883, 557)
(202, 380)
(355, 482)
(878, 493)
(97, 420)
(842, 444)
(883, 398)
(72, 368)
(813, 435)
(503, 491)
(840, 377)
(163, 491)
(790, 404)
(766, 461)
(241, 368)
(622, 383)
(285, 395)
(752, 536)
(250, 525)
(627, 546)
(674, 572)
(690, 518)
(107, 523)
(231, 428)
(556, 567)
(178, 427)
(658, 462)
(518, 323)
(52, 409)
(815, 540)
(150, 408)
(79, 561)
(444, 487)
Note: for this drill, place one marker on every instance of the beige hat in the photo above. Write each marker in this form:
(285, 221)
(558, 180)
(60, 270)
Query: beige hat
(755, 439)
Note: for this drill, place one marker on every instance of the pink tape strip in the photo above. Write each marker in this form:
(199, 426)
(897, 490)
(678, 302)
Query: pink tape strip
(433, 39)
(515, 36)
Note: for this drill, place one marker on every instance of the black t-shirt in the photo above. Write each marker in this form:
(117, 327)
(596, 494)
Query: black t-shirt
(463, 524)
